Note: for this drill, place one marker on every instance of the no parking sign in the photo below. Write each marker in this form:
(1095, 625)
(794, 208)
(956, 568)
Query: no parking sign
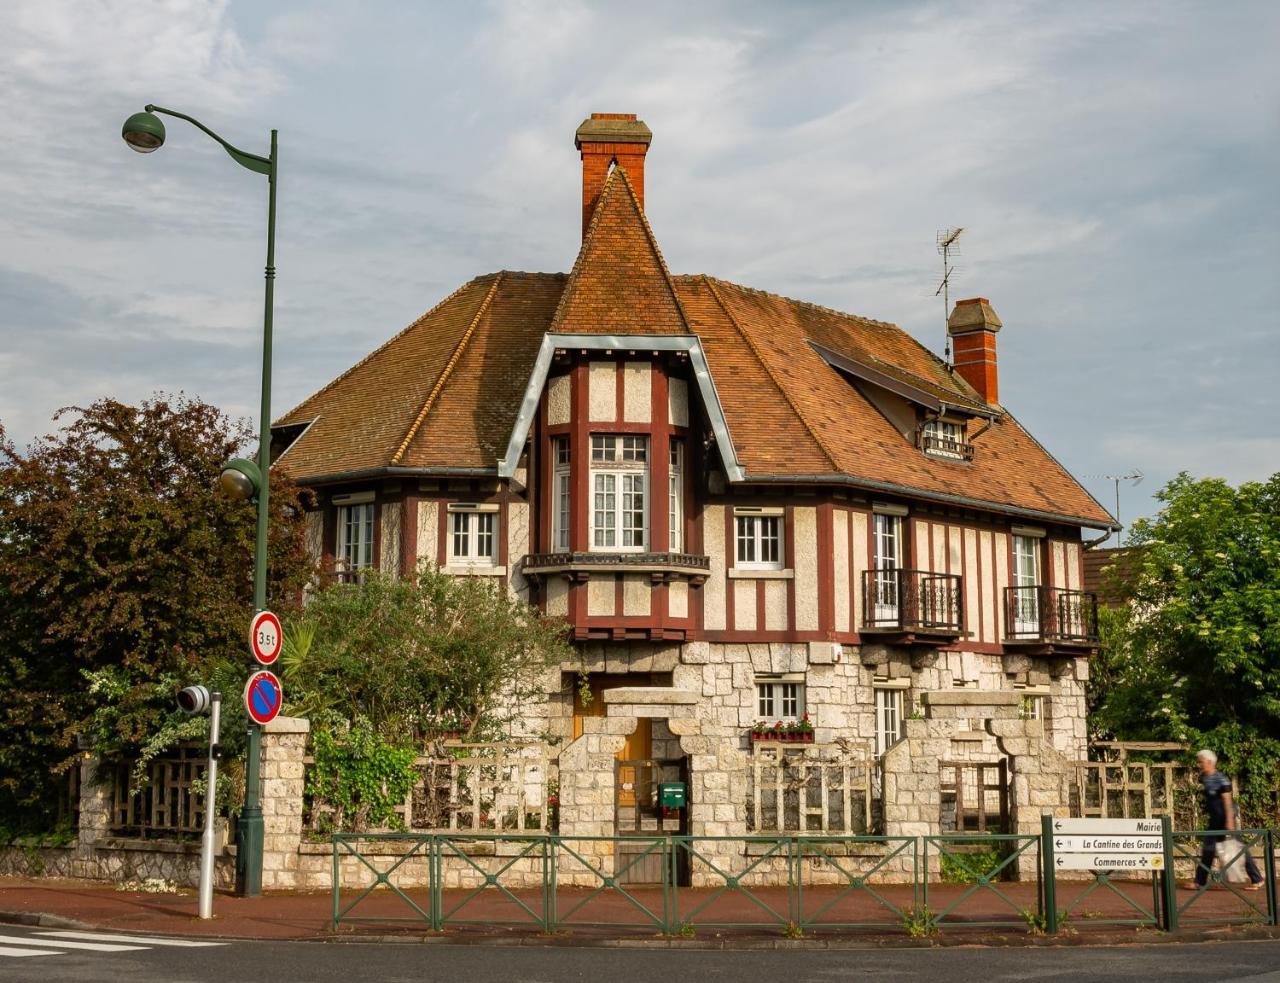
(263, 696)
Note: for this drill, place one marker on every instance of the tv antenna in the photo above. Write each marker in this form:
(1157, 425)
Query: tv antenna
(1135, 476)
(947, 248)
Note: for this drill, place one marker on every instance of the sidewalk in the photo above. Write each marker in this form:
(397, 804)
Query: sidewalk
(584, 917)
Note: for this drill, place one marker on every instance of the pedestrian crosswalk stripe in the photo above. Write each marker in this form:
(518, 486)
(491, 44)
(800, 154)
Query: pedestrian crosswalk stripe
(141, 939)
(19, 953)
(57, 944)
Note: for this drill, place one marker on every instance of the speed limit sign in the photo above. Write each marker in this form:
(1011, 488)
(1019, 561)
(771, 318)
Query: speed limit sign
(265, 637)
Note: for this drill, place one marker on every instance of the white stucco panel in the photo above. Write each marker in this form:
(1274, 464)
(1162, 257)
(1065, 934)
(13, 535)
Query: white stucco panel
(775, 605)
(390, 559)
(428, 531)
(557, 597)
(805, 522)
(678, 402)
(637, 392)
(600, 596)
(559, 400)
(636, 594)
(602, 392)
(840, 541)
(713, 592)
(744, 605)
(678, 599)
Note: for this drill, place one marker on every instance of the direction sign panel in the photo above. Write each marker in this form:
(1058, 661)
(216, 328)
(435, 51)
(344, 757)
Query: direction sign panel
(1107, 843)
(1108, 827)
(263, 696)
(266, 637)
(1140, 862)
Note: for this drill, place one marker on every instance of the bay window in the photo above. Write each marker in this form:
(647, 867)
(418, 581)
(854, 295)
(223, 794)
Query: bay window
(675, 498)
(619, 477)
(560, 489)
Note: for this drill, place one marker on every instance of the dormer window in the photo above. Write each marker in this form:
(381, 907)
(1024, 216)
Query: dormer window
(945, 438)
(619, 474)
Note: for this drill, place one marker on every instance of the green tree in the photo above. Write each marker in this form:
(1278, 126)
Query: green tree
(1195, 656)
(403, 656)
(122, 578)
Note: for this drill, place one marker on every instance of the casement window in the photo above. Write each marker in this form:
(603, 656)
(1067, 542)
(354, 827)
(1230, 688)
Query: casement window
(561, 483)
(779, 699)
(943, 438)
(355, 539)
(675, 498)
(888, 718)
(1033, 706)
(473, 535)
(758, 539)
(886, 559)
(619, 478)
(1026, 578)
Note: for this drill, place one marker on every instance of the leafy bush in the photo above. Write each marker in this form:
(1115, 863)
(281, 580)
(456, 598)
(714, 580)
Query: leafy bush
(358, 780)
(967, 866)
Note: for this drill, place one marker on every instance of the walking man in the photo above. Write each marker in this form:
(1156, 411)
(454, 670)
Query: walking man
(1220, 807)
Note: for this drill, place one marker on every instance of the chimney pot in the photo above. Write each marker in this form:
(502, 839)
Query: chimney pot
(606, 139)
(973, 325)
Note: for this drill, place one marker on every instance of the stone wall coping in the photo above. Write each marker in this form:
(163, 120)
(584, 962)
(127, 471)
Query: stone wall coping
(136, 844)
(650, 695)
(970, 698)
(288, 725)
(481, 847)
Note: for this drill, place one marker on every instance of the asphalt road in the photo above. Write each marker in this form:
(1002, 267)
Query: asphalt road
(39, 956)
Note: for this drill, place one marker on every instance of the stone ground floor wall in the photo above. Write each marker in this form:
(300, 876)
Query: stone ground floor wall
(701, 700)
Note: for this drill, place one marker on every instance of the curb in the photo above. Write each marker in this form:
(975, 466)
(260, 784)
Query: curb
(42, 919)
(744, 943)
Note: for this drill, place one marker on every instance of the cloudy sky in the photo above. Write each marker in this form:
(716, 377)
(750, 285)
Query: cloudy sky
(1114, 166)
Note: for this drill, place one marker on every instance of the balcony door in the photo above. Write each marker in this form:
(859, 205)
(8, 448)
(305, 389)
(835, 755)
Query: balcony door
(1026, 580)
(886, 562)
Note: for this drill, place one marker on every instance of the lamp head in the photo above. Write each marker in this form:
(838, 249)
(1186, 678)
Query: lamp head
(144, 132)
(240, 479)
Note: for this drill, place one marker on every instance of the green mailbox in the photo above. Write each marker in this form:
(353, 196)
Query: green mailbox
(671, 795)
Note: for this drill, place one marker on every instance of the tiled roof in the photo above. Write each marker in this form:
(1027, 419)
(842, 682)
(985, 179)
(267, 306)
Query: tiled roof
(445, 393)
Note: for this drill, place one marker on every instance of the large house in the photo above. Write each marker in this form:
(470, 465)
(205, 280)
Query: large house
(750, 510)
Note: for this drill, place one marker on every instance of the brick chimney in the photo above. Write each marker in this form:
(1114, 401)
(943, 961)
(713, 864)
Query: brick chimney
(607, 139)
(973, 326)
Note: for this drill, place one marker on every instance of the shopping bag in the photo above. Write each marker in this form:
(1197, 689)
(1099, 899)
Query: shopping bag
(1230, 853)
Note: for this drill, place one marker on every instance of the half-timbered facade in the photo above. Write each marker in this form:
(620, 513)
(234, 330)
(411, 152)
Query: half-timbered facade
(748, 509)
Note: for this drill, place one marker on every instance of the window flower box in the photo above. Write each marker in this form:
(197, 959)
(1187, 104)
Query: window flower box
(793, 732)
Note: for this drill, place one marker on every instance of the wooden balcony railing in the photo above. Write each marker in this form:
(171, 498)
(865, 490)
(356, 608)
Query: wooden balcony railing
(912, 600)
(1050, 614)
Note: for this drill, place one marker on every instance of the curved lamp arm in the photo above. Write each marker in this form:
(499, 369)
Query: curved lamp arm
(254, 162)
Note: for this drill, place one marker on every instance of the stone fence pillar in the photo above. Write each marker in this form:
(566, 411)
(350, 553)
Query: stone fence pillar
(284, 745)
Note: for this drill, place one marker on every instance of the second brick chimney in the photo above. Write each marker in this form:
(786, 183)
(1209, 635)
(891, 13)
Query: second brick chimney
(607, 139)
(973, 326)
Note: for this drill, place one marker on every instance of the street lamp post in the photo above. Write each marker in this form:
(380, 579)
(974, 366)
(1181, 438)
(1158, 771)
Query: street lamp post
(145, 133)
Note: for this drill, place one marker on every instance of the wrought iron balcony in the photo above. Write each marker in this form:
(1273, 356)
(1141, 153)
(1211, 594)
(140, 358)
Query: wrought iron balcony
(917, 601)
(942, 447)
(1050, 615)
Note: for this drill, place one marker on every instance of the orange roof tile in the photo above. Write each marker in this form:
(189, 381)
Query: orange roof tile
(445, 393)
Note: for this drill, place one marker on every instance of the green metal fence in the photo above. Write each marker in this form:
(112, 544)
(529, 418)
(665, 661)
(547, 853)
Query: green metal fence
(674, 885)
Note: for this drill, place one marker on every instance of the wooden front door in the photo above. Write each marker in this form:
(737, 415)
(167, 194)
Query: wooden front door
(639, 743)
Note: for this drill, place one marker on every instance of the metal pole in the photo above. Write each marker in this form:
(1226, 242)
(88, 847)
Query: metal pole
(210, 806)
(1118, 523)
(1168, 878)
(1049, 883)
(249, 830)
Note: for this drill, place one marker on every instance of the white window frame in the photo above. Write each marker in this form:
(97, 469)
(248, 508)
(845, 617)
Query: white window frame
(947, 431)
(356, 555)
(886, 561)
(468, 522)
(889, 704)
(757, 529)
(675, 497)
(780, 699)
(561, 494)
(1026, 573)
(619, 472)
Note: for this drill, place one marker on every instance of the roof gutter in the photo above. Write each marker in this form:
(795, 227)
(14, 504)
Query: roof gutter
(871, 484)
(392, 471)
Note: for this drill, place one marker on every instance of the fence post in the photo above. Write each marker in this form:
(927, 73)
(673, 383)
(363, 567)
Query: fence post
(549, 882)
(1048, 879)
(670, 878)
(1169, 878)
(795, 875)
(435, 874)
(335, 882)
(1269, 865)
